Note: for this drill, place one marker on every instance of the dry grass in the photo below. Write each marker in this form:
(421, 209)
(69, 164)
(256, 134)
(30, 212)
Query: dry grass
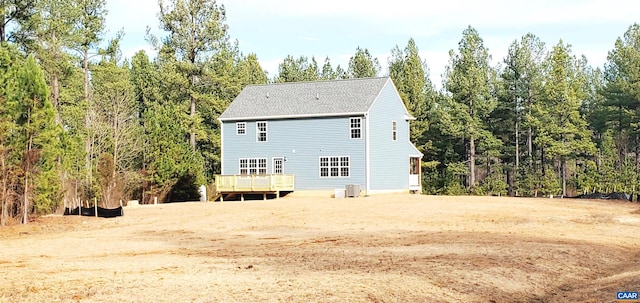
(388, 248)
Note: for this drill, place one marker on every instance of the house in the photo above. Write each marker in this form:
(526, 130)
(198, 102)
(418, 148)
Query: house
(324, 134)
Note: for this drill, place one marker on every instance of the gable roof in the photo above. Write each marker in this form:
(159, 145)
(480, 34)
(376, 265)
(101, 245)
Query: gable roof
(305, 99)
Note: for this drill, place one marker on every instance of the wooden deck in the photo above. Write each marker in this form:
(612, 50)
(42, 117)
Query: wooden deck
(253, 184)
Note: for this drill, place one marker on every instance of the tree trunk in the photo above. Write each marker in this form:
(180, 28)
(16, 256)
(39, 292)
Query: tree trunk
(636, 159)
(517, 149)
(510, 191)
(544, 169)
(3, 7)
(530, 136)
(85, 67)
(622, 142)
(563, 168)
(55, 86)
(3, 214)
(25, 202)
(116, 150)
(27, 173)
(472, 163)
(192, 135)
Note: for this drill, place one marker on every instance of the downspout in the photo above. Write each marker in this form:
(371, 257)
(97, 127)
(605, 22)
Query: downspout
(221, 149)
(367, 155)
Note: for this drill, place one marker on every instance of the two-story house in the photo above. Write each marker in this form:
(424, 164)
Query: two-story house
(327, 134)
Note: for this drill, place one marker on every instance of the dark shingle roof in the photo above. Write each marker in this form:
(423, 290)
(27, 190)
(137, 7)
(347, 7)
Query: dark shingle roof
(305, 99)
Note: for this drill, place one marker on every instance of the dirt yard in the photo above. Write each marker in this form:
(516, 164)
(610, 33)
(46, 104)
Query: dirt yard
(387, 248)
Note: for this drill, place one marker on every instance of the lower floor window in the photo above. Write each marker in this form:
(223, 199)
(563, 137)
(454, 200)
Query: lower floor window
(334, 167)
(253, 166)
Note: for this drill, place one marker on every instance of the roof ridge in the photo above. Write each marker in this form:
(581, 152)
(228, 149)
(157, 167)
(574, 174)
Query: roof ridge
(320, 81)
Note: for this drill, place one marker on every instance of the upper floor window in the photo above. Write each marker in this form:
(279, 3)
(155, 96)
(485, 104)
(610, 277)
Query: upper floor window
(241, 128)
(261, 131)
(394, 130)
(355, 127)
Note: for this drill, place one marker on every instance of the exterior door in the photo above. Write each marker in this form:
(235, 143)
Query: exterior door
(414, 174)
(278, 166)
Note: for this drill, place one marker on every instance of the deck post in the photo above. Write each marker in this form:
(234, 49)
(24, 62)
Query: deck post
(242, 197)
(264, 196)
(221, 197)
(277, 194)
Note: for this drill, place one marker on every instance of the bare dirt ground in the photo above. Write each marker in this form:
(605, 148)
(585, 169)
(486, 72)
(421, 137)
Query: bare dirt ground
(388, 248)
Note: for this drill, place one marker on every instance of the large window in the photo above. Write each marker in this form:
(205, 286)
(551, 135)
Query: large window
(261, 131)
(333, 167)
(355, 128)
(241, 128)
(253, 166)
(394, 130)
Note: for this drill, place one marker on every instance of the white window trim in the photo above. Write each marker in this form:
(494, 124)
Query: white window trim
(351, 128)
(266, 131)
(394, 131)
(244, 128)
(248, 168)
(339, 167)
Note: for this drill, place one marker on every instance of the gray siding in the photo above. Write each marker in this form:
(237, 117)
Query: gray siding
(389, 159)
(302, 142)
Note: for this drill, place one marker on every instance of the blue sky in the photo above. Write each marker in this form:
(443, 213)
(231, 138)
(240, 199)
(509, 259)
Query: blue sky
(273, 29)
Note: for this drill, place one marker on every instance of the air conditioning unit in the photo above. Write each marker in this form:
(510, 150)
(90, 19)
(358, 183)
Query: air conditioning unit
(352, 190)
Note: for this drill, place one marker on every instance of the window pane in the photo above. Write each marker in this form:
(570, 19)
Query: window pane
(324, 172)
(355, 127)
(277, 165)
(344, 171)
(261, 128)
(334, 172)
(394, 130)
(241, 128)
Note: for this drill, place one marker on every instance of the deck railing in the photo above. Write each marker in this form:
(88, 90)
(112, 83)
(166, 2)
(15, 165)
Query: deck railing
(254, 183)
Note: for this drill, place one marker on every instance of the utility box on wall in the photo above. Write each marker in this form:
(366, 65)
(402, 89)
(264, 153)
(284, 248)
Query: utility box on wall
(352, 190)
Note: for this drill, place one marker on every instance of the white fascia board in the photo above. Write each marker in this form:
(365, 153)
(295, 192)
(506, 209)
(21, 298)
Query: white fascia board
(280, 117)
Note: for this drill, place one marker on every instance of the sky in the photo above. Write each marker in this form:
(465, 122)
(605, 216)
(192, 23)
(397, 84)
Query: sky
(273, 29)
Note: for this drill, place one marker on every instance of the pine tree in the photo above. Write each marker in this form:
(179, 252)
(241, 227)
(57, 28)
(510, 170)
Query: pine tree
(363, 65)
(622, 92)
(39, 140)
(561, 128)
(410, 74)
(521, 85)
(298, 70)
(9, 60)
(14, 14)
(468, 81)
(196, 30)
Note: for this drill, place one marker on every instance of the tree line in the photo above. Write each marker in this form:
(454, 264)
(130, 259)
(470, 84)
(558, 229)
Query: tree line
(78, 122)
